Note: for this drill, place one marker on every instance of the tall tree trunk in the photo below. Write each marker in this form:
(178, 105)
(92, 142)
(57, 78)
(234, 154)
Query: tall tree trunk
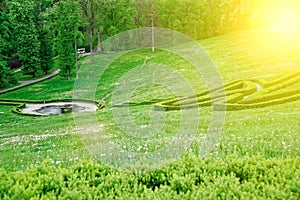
(114, 44)
(69, 74)
(91, 44)
(76, 60)
(92, 27)
(133, 39)
(99, 48)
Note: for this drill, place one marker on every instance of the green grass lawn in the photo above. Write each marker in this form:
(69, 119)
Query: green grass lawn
(271, 132)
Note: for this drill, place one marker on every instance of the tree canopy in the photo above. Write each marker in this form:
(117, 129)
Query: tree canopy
(33, 32)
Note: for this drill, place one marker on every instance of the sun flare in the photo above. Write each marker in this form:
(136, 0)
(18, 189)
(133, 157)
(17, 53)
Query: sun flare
(282, 14)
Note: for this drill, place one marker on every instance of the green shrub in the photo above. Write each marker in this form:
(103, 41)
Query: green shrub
(234, 92)
(281, 90)
(189, 178)
(290, 77)
(235, 107)
(264, 97)
(7, 77)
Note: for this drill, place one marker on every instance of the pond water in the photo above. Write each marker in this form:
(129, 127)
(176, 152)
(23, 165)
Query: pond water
(60, 109)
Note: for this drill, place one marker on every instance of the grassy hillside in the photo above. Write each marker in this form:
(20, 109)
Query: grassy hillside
(271, 133)
(241, 55)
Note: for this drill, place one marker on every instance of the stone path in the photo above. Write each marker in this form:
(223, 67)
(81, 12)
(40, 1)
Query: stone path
(30, 82)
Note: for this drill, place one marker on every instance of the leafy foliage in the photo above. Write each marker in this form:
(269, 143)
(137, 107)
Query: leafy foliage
(28, 45)
(66, 21)
(46, 52)
(5, 31)
(265, 131)
(197, 18)
(35, 32)
(190, 178)
(14, 62)
(44, 34)
(7, 77)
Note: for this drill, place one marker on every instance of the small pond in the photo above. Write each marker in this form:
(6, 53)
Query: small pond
(60, 109)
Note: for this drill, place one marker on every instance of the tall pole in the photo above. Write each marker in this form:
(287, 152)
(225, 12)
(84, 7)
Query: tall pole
(152, 25)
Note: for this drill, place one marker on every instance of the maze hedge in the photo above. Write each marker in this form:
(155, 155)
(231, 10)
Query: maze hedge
(241, 94)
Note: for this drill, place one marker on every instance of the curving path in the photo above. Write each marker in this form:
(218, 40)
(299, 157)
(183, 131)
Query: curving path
(30, 82)
(258, 86)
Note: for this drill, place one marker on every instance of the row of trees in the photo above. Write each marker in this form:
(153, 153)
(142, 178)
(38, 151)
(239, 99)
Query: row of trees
(35, 31)
(198, 18)
(6, 75)
(25, 40)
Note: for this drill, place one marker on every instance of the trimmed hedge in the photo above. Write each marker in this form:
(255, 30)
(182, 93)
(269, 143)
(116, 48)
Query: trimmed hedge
(275, 92)
(235, 107)
(9, 103)
(263, 97)
(234, 92)
(190, 178)
(202, 96)
(43, 101)
(279, 80)
(285, 78)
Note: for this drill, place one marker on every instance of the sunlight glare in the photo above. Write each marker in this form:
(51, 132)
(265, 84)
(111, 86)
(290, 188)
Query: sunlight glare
(283, 14)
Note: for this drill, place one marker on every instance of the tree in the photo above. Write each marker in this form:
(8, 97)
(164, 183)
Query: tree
(28, 45)
(5, 36)
(65, 16)
(3, 6)
(88, 8)
(118, 16)
(44, 34)
(145, 8)
(7, 77)
(46, 51)
(14, 62)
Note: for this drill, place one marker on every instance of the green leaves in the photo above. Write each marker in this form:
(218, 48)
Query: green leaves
(191, 178)
(65, 16)
(28, 45)
(7, 77)
(197, 18)
(117, 16)
(5, 33)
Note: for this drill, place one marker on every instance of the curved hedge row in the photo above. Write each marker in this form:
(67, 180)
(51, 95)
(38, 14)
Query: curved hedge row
(190, 178)
(234, 91)
(279, 80)
(241, 95)
(235, 107)
(263, 97)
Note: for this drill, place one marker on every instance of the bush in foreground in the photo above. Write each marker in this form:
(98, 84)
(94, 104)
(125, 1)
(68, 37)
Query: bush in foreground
(190, 178)
(7, 77)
